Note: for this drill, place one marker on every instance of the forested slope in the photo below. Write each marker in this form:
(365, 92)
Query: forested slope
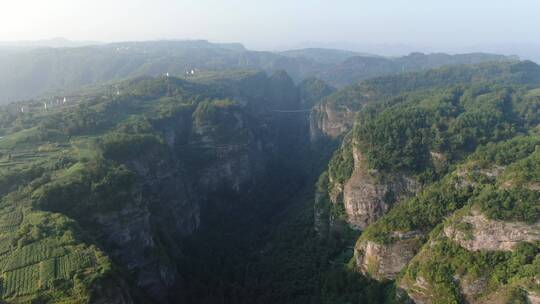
(440, 175)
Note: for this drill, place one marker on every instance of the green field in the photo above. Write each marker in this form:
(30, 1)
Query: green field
(38, 254)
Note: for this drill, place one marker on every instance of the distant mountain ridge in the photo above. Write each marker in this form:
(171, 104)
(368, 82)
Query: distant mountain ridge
(58, 42)
(362, 67)
(323, 55)
(30, 72)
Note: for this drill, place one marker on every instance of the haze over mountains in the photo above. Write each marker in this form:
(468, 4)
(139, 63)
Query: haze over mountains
(31, 71)
(58, 42)
(523, 50)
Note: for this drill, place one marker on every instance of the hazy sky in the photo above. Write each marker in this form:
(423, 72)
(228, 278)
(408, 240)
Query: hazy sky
(267, 24)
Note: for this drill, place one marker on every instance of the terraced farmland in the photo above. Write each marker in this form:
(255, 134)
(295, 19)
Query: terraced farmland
(38, 253)
(43, 275)
(20, 282)
(10, 221)
(41, 252)
(34, 253)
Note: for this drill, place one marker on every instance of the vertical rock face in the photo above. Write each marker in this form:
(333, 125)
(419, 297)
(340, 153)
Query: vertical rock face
(533, 297)
(482, 233)
(109, 292)
(233, 155)
(420, 291)
(472, 288)
(501, 297)
(131, 228)
(320, 216)
(223, 145)
(473, 292)
(236, 169)
(385, 261)
(328, 122)
(227, 143)
(366, 200)
(368, 194)
(474, 233)
(400, 247)
(357, 195)
(164, 208)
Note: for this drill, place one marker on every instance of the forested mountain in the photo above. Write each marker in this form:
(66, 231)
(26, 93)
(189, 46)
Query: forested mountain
(99, 195)
(328, 56)
(29, 73)
(362, 67)
(335, 114)
(438, 171)
(233, 185)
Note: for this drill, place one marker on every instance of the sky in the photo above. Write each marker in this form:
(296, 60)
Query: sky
(274, 24)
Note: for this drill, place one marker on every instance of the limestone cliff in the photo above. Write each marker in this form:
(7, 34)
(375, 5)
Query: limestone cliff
(325, 121)
(397, 246)
(368, 194)
(384, 261)
(473, 238)
(215, 145)
(163, 207)
(219, 147)
(476, 232)
(365, 194)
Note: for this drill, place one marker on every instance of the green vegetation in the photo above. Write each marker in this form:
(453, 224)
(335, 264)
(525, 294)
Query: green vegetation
(515, 204)
(402, 135)
(69, 172)
(525, 172)
(397, 139)
(452, 122)
(467, 134)
(421, 212)
(341, 165)
(375, 90)
(44, 256)
(58, 169)
(312, 91)
(345, 285)
(497, 180)
(371, 68)
(74, 172)
(220, 119)
(444, 260)
(470, 183)
(506, 152)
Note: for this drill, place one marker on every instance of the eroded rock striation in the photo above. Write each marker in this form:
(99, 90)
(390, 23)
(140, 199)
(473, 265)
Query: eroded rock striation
(368, 194)
(476, 232)
(384, 261)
